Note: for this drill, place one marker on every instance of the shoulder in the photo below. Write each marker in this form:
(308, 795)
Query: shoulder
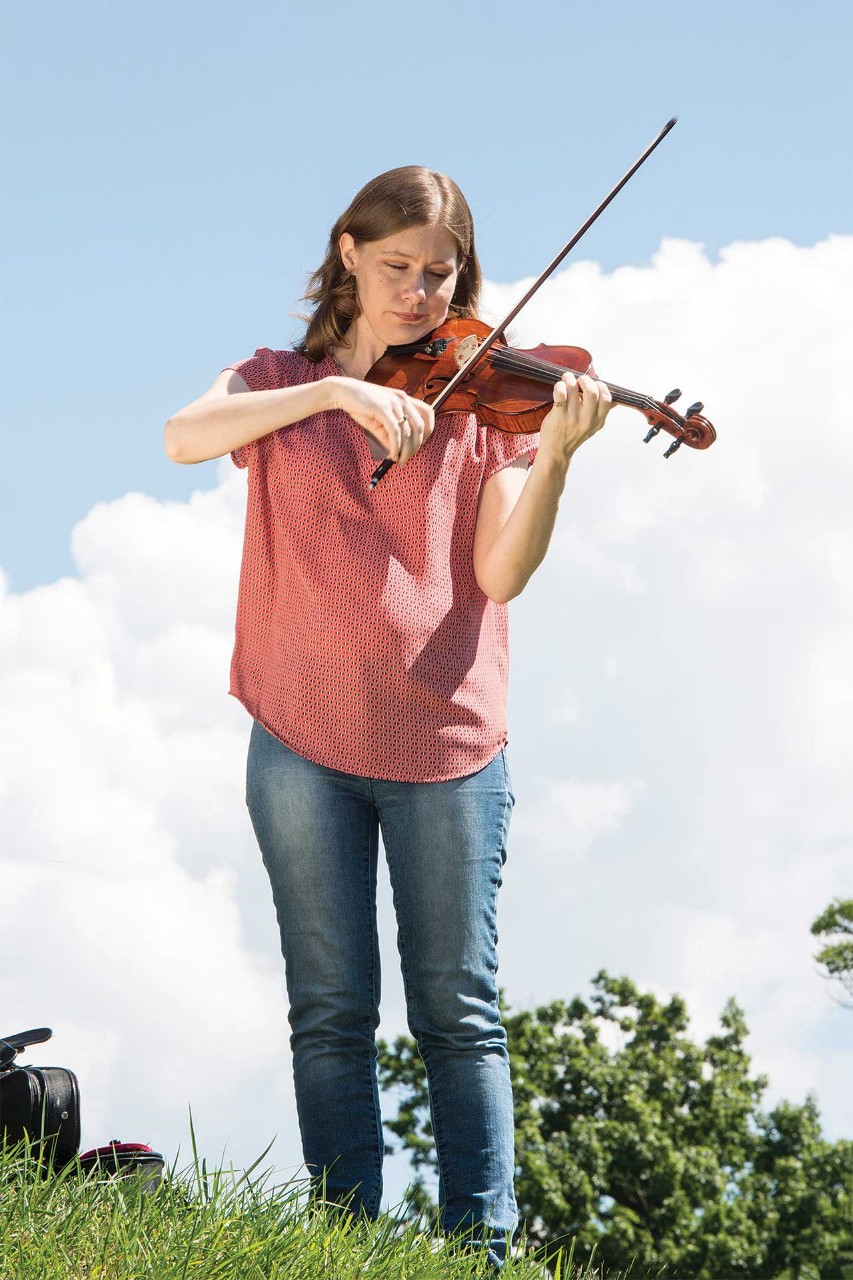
(270, 368)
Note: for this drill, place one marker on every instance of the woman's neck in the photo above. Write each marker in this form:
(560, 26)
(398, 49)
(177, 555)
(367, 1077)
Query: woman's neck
(359, 351)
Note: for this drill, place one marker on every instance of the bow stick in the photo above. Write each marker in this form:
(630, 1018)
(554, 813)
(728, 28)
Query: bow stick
(481, 351)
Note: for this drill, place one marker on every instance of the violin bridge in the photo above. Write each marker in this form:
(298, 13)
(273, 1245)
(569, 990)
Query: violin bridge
(465, 348)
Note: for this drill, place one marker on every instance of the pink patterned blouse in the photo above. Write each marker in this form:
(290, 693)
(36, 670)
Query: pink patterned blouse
(362, 640)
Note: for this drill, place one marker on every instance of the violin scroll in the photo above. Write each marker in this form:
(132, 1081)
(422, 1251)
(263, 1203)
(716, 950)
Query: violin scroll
(690, 428)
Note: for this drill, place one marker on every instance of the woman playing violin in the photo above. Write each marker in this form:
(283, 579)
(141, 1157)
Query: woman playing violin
(371, 652)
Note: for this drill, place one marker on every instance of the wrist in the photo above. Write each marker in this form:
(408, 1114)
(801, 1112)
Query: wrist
(331, 387)
(553, 463)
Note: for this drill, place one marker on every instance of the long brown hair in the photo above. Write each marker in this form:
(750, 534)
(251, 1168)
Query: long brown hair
(407, 197)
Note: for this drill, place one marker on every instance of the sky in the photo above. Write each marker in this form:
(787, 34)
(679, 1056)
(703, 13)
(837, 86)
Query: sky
(680, 696)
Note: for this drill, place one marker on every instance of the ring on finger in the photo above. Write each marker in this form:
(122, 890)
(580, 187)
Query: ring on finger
(405, 424)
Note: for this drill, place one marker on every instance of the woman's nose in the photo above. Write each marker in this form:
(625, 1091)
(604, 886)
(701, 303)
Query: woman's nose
(415, 288)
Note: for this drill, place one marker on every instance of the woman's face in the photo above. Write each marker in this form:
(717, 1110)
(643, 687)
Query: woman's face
(405, 282)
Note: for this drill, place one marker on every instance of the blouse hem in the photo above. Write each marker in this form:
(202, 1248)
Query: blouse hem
(327, 764)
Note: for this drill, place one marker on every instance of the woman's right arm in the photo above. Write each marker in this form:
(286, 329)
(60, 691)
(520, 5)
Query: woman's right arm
(221, 420)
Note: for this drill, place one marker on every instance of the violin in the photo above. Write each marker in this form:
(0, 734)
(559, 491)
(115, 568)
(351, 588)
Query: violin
(464, 366)
(511, 388)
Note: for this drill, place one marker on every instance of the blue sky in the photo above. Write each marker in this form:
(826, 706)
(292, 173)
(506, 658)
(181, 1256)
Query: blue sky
(175, 169)
(680, 697)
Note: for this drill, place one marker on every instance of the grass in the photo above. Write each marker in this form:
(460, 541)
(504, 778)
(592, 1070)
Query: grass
(219, 1225)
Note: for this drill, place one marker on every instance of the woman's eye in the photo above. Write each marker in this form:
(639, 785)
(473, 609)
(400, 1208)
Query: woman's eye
(401, 266)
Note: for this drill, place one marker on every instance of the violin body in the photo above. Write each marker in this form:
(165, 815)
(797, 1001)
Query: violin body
(502, 398)
(512, 388)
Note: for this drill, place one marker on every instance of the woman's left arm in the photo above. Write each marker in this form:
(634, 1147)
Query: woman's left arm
(518, 508)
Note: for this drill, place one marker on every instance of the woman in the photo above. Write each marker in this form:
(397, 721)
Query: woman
(372, 653)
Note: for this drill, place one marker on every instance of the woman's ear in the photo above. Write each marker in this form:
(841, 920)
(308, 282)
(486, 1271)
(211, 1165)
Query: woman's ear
(346, 247)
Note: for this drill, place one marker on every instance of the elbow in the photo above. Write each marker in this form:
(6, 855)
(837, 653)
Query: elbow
(172, 442)
(491, 592)
(500, 593)
(498, 581)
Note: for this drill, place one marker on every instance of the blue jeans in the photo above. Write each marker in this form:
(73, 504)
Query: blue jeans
(318, 830)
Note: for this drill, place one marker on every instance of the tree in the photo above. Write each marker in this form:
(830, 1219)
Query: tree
(835, 927)
(653, 1153)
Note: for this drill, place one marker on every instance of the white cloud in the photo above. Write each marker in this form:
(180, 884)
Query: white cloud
(680, 707)
(570, 815)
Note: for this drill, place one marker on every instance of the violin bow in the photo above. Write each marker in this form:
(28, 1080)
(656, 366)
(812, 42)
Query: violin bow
(478, 355)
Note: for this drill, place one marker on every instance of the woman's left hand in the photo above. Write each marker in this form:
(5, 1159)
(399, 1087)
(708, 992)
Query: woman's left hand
(580, 408)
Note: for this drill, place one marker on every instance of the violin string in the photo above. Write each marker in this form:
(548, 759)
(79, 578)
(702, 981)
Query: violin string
(545, 371)
(552, 373)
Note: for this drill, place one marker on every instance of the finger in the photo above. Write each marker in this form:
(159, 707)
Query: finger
(407, 425)
(417, 419)
(565, 388)
(420, 421)
(427, 416)
(392, 421)
(590, 389)
(605, 403)
(411, 428)
(589, 398)
(420, 416)
(407, 445)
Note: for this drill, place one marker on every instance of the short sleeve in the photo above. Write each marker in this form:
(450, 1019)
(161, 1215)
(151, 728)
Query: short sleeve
(260, 372)
(505, 447)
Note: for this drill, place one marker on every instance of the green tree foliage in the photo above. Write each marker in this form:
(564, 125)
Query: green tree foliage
(651, 1149)
(835, 927)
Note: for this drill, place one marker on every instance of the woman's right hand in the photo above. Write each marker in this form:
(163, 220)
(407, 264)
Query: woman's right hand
(396, 420)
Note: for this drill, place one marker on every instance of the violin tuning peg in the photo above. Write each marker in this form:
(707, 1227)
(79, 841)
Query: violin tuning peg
(672, 396)
(694, 408)
(651, 434)
(676, 444)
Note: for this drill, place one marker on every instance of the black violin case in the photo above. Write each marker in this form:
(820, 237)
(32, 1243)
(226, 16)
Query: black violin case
(42, 1102)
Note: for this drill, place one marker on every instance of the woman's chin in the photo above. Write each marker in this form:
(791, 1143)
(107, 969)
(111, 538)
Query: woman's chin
(401, 332)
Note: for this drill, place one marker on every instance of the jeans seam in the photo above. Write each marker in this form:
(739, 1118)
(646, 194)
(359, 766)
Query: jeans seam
(438, 1124)
(409, 994)
(370, 1034)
